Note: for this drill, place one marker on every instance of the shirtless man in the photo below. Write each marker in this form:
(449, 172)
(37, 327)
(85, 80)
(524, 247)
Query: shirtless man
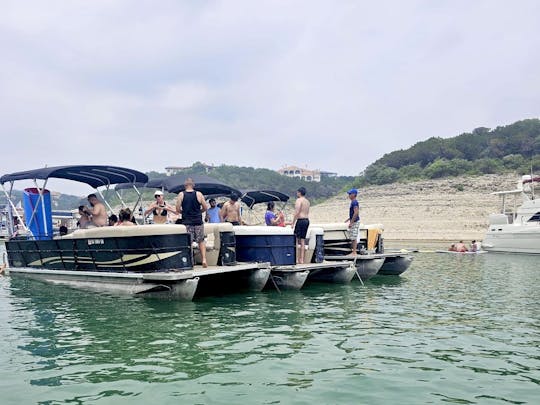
(301, 222)
(231, 211)
(460, 247)
(98, 213)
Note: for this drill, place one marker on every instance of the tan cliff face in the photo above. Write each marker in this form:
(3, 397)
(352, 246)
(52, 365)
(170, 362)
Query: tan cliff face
(444, 209)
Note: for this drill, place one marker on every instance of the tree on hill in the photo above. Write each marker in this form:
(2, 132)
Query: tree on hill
(514, 147)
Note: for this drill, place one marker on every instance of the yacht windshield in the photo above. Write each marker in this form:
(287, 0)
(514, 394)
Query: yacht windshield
(535, 218)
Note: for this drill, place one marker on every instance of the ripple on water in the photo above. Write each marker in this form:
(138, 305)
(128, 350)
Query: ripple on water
(451, 329)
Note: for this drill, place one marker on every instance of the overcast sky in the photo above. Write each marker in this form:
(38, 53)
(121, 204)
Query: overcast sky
(328, 84)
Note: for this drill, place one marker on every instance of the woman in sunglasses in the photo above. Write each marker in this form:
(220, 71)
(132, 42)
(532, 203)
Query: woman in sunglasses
(160, 209)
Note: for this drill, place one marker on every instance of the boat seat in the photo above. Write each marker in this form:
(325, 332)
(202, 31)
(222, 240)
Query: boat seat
(247, 230)
(212, 236)
(125, 231)
(332, 226)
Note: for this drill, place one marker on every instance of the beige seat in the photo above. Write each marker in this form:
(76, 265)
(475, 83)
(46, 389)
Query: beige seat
(212, 234)
(311, 242)
(125, 231)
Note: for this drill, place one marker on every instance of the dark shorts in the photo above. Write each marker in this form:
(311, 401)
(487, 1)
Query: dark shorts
(197, 232)
(235, 223)
(301, 227)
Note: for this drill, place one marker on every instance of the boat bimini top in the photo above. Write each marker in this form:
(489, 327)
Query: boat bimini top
(250, 198)
(175, 184)
(95, 176)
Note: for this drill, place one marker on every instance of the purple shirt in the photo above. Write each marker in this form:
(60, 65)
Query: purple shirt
(268, 217)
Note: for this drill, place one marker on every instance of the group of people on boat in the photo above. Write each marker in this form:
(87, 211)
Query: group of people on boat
(215, 213)
(460, 247)
(191, 206)
(93, 216)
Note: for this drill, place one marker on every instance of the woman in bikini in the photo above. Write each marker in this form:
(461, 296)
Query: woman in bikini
(160, 209)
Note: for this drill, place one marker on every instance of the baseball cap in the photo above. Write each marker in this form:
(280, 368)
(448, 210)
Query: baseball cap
(353, 191)
(158, 192)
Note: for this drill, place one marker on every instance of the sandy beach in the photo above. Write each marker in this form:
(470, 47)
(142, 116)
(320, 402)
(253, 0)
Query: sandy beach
(446, 209)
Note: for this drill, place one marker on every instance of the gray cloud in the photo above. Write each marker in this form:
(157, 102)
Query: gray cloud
(330, 85)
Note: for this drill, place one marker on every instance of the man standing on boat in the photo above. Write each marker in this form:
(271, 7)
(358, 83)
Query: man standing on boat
(301, 222)
(231, 211)
(98, 213)
(354, 219)
(191, 205)
(212, 215)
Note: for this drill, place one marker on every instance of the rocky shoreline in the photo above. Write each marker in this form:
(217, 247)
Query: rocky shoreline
(445, 209)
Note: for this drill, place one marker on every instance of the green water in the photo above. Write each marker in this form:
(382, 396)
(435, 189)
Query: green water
(450, 330)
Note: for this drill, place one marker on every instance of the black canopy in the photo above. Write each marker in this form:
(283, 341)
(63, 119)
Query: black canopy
(94, 176)
(124, 186)
(204, 184)
(175, 184)
(251, 198)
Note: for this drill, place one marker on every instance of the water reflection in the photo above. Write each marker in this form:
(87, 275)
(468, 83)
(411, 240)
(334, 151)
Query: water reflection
(445, 331)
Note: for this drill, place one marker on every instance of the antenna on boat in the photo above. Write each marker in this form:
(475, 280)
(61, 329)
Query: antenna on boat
(532, 179)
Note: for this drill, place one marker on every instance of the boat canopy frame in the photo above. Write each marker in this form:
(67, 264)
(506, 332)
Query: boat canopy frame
(254, 197)
(95, 176)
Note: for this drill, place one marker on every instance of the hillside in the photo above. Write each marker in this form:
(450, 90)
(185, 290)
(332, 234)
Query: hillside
(249, 178)
(505, 149)
(448, 209)
(58, 201)
(442, 209)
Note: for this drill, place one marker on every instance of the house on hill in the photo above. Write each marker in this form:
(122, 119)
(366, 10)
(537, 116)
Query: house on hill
(303, 174)
(172, 170)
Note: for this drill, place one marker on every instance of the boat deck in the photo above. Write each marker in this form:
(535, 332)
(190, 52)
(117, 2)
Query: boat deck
(173, 275)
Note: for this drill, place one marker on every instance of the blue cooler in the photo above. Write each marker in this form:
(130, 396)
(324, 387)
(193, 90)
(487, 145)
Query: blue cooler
(272, 244)
(41, 224)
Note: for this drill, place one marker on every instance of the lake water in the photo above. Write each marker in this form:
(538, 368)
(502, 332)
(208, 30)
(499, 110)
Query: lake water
(451, 329)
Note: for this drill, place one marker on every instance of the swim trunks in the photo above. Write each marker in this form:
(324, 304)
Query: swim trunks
(353, 230)
(301, 228)
(197, 232)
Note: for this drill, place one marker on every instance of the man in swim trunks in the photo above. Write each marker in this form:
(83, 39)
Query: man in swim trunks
(231, 211)
(191, 205)
(354, 219)
(301, 222)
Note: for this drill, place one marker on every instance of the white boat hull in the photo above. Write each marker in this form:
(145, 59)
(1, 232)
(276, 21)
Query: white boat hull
(513, 239)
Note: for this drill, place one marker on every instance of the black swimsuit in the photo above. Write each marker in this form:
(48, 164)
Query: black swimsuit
(163, 211)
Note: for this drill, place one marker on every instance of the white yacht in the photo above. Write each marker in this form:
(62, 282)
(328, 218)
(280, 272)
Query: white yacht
(516, 228)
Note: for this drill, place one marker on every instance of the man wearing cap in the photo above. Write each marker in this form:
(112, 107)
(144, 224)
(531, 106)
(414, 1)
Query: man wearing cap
(354, 219)
(159, 208)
